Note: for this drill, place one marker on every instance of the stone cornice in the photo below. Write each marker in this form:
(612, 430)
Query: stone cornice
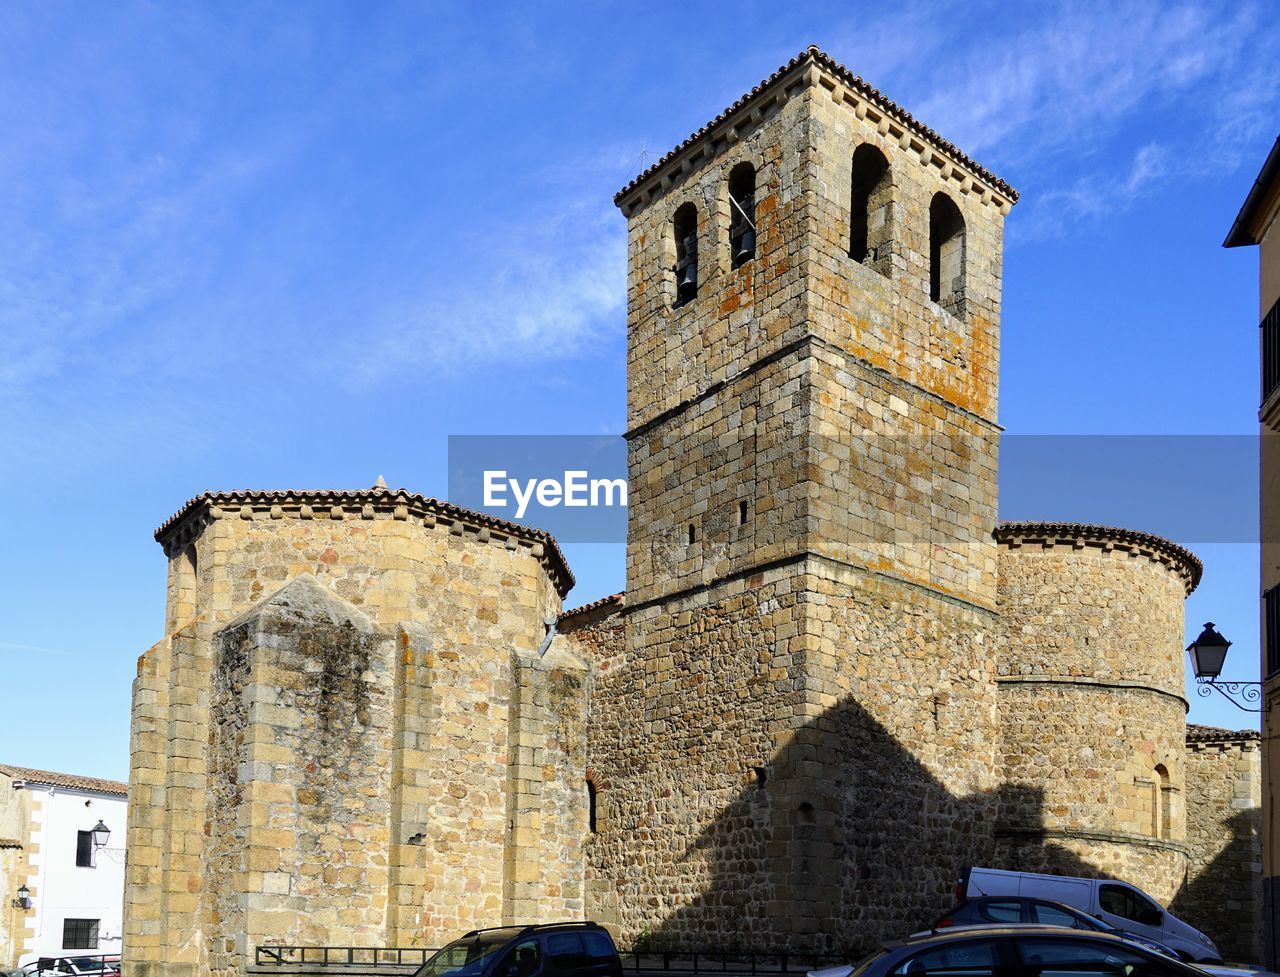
(189, 521)
(1076, 834)
(1087, 681)
(1077, 535)
(809, 68)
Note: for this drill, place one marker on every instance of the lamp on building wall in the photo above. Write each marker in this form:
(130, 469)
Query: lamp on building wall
(24, 898)
(100, 834)
(1208, 654)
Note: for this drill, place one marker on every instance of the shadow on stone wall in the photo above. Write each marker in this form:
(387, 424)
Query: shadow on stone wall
(850, 840)
(818, 863)
(1218, 904)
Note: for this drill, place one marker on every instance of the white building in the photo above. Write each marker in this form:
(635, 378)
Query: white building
(61, 881)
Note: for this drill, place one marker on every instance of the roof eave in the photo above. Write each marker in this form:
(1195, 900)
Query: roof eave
(1241, 232)
(208, 505)
(813, 59)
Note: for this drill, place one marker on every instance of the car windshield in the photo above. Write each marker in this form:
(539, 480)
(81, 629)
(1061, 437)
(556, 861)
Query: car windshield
(861, 966)
(468, 956)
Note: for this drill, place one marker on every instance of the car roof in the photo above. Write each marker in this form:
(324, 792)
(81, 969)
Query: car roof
(536, 927)
(1041, 899)
(1007, 929)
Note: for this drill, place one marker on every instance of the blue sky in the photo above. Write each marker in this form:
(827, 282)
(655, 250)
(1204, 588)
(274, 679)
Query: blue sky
(297, 245)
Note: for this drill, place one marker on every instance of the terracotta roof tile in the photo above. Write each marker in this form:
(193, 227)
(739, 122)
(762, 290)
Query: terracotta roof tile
(594, 605)
(555, 558)
(1187, 564)
(1216, 734)
(75, 781)
(873, 95)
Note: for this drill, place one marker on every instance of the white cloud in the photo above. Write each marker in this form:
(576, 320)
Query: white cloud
(1095, 197)
(541, 290)
(1070, 79)
(1051, 96)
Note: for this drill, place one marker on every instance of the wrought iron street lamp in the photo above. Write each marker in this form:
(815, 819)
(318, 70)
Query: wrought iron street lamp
(1208, 654)
(100, 834)
(24, 898)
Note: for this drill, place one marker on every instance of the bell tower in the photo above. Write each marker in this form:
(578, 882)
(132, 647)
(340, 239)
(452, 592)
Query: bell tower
(813, 340)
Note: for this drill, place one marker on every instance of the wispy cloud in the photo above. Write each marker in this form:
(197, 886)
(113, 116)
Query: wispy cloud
(539, 290)
(1095, 197)
(1048, 94)
(21, 649)
(1067, 81)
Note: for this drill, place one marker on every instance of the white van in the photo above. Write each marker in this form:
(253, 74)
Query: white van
(1119, 904)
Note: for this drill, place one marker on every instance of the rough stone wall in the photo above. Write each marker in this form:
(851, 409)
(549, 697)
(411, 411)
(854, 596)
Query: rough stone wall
(906, 747)
(710, 688)
(768, 642)
(466, 604)
(762, 768)
(16, 851)
(300, 776)
(904, 440)
(1092, 713)
(1222, 894)
(597, 636)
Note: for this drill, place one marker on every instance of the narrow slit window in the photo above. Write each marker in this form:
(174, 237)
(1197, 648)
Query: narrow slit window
(84, 849)
(742, 512)
(592, 808)
(869, 207)
(742, 214)
(946, 254)
(685, 227)
(693, 534)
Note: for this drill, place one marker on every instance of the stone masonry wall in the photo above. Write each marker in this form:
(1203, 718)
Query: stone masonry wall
(466, 598)
(1091, 704)
(1222, 895)
(812, 499)
(762, 770)
(300, 773)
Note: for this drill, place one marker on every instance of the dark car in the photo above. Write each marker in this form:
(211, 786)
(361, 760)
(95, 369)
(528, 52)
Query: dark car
(1002, 910)
(582, 949)
(1021, 950)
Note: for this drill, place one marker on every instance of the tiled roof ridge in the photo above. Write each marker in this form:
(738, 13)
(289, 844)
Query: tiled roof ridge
(76, 781)
(853, 81)
(1201, 734)
(552, 553)
(594, 605)
(1178, 558)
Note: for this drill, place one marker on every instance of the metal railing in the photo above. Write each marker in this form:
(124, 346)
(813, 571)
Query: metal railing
(736, 962)
(1270, 351)
(336, 956)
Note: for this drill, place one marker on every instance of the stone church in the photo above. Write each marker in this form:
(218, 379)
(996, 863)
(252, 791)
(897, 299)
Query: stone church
(833, 682)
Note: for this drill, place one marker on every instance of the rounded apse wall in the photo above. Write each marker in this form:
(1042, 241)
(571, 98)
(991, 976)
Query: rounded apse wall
(1091, 702)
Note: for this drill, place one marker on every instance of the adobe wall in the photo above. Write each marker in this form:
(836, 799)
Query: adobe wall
(1091, 706)
(1222, 895)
